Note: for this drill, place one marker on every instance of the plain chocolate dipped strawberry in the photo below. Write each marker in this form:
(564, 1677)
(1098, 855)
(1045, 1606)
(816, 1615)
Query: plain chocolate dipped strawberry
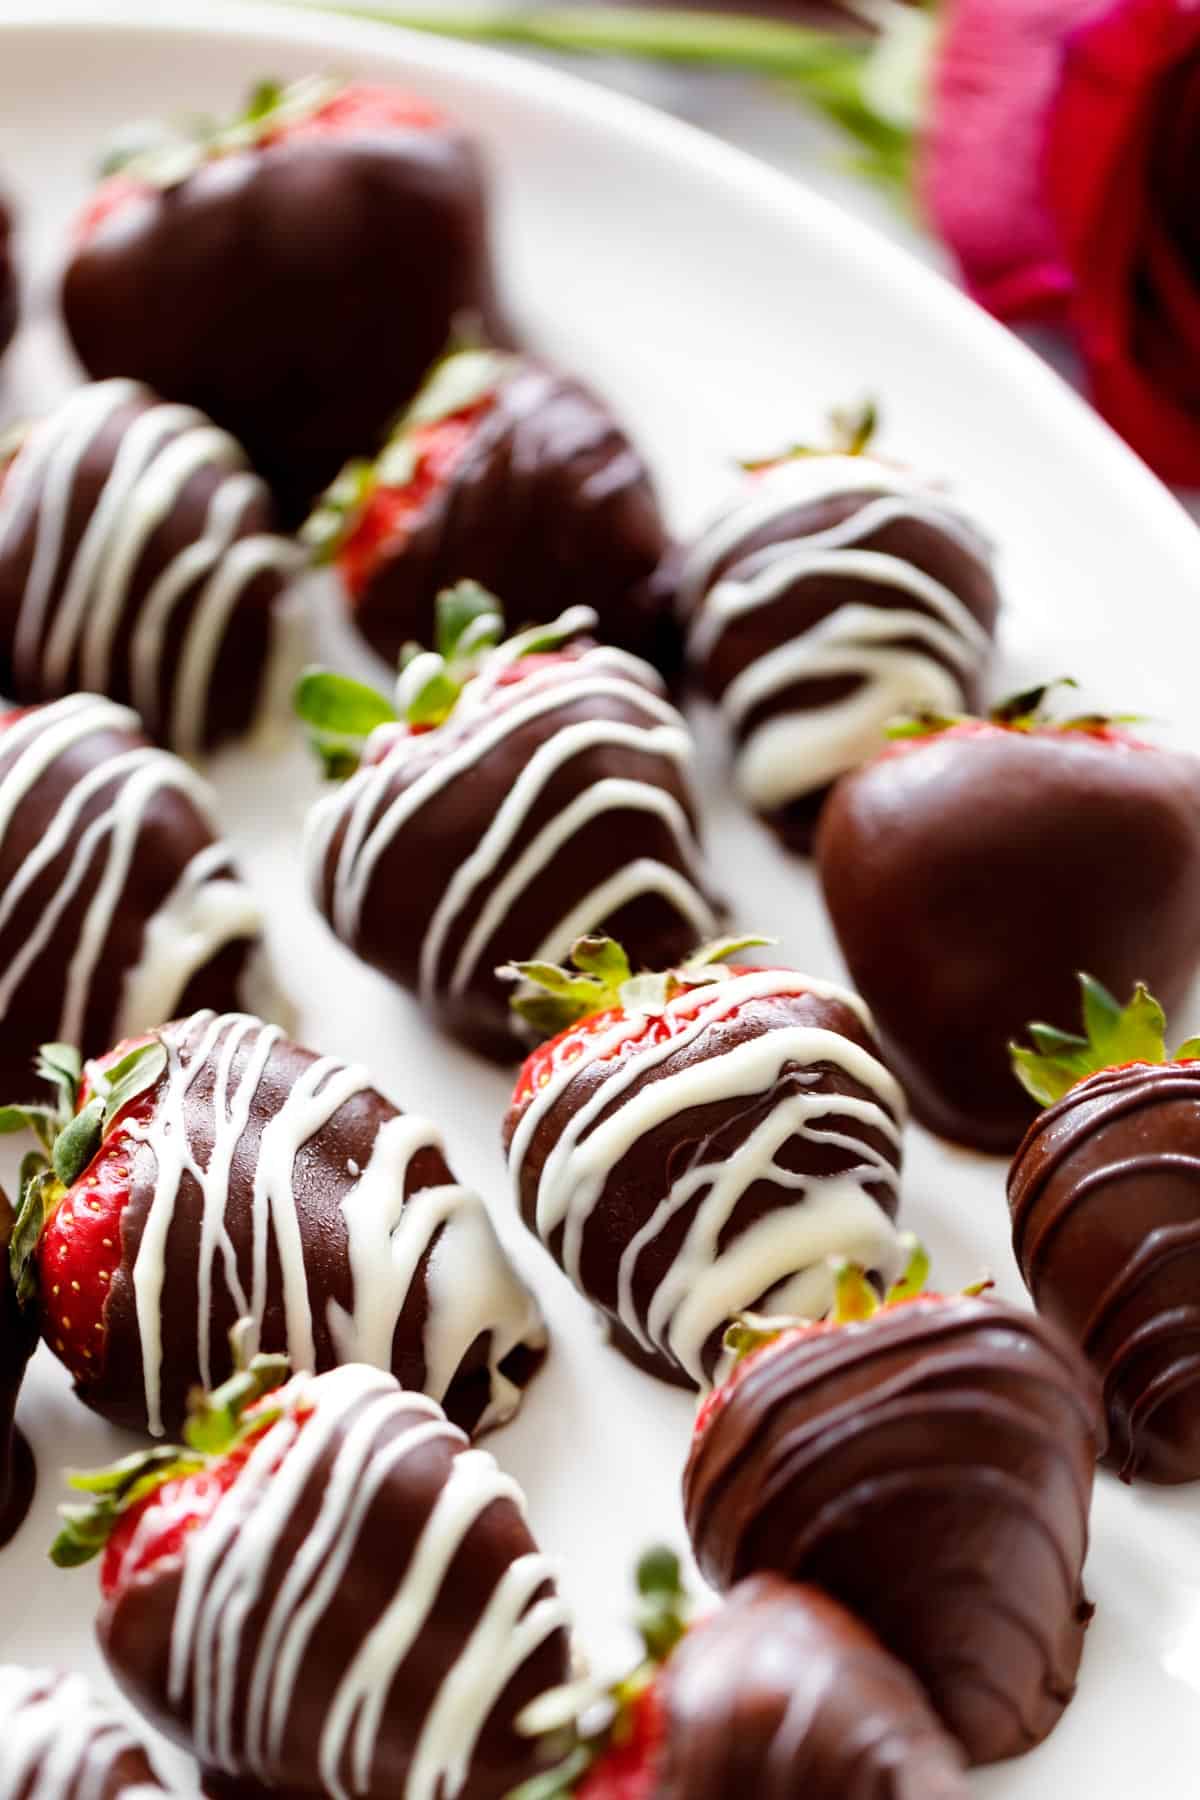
(699, 1143)
(512, 474)
(139, 558)
(778, 1693)
(293, 273)
(836, 591)
(930, 1465)
(8, 278)
(119, 904)
(216, 1171)
(59, 1742)
(370, 1579)
(972, 868)
(1105, 1200)
(515, 796)
(18, 1339)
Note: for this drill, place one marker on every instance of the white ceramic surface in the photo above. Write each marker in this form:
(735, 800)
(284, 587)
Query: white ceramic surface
(723, 309)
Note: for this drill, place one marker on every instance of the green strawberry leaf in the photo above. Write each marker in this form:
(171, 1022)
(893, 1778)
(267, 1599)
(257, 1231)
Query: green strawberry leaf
(602, 958)
(113, 1492)
(601, 978)
(216, 1422)
(457, 381)
(136, 1072)
(62, 1066)
(338, 510)
(469, 620)
(339, 706)
(1188, 1051)
(1115, 1034)
(663, 1603)
(78, 1142)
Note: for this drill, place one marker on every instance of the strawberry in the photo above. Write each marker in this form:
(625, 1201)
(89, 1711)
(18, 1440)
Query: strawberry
(364, 1488)
(638, 1133)
(928, 1463)
(974, 866)
(508, 472)
(1104, 1193)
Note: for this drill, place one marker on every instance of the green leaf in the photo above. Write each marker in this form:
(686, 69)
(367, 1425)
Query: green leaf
(1049, 1041)
(339, 706)
(721, 949)
(459, 381)
(78, 1142)
(39, 1119)
(1116, 1034)
(431, 699)
(559, 1780)
(338, 510)
(602, 958)
(1028, 707)
(216, 1422)
(855, 1300)
(663, 1610)
(922, 724)
(469, 620)
(39, 1189)
(62, 1066)
(915, 1275)
(265, 97)
(1188, 1051)
(137, 1071)
(112, 1492)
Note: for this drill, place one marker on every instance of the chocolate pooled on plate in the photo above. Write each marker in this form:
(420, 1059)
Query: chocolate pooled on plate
(18, 1340)
(1105, 1200)
(59, 1742)
(139, 558)
(930, 1465)
(835, 592)
(507, 472)
(514, 796)
(699, 1143)
(293, 273)
(324, 1591)
(216, 1173)
(974, 866)
(119, 904)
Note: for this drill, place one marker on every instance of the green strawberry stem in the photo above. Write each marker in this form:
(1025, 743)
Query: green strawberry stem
(1025, 711)
(69, 1137)
(1112, 1035)
(870, 84)
(553, 998)
(163, 155)
(218, 1424)
(855, 1300)
(851, 432)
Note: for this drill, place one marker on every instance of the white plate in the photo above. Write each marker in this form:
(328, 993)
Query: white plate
(722, 308)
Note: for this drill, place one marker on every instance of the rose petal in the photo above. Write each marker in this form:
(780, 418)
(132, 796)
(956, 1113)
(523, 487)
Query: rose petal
(980, 176)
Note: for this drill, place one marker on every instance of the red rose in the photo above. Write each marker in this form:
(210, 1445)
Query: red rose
(1059, 165)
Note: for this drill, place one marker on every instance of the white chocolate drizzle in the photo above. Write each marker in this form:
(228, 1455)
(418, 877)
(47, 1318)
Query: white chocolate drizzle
(489, 885)
(209, 907)
(782, 1261)
(58, 1742)
(372, 1427)
(74, 603)
(923, 653)
(471, 1286)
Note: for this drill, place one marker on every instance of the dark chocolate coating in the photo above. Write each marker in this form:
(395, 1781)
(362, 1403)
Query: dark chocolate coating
(1105, 1199)
(420, 859)
(40, 1713)
(296, 293)
(969, 880)
(549, 505)
(932, 1469)
(8, 279)
(945, 551)
(171, 830)
(18, 1340)
(711, 1131)
(135, 1629)
(238, 597)
(325, 1168)
(782, 1693)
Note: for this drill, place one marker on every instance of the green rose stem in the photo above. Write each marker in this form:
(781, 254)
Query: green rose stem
(872, 86)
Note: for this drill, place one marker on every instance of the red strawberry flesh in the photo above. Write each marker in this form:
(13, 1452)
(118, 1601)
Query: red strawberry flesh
(628, 1770)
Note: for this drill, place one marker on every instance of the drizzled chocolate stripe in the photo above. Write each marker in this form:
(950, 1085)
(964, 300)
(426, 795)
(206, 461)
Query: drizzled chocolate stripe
(838, 593)
(1105, 1201)
(275, 1184)
(365, 1613)
(493, 837)
(714, 1163)
(58, 1742)
(782, 1693)
(932, 1469)
(138, 559)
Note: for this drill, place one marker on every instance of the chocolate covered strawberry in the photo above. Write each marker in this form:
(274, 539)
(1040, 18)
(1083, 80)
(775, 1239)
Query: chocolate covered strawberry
(700, 1142)
(215, 1171)
(58, 1741)
(369, 1576)
(778, 1693)
(18, 1339)
(835, 591)
(293, 272)
(512, 796)
(509, 473)
(928, 1463)
(1105, 1200)
(973, 867)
